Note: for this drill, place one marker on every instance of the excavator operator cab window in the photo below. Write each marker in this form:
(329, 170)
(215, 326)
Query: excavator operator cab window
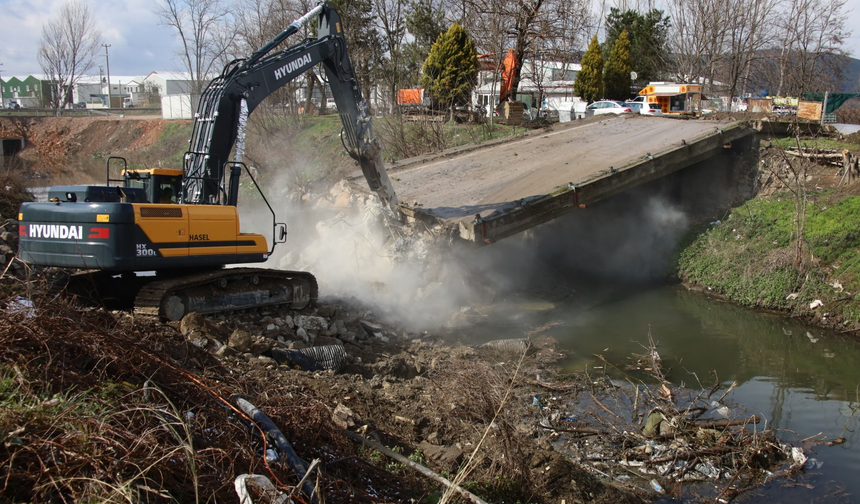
(167, 195)
(168, 189)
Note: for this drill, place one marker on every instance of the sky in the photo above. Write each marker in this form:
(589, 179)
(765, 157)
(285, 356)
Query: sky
(138, 43)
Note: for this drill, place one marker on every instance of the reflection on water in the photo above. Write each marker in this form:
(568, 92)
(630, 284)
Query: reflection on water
(803, 380)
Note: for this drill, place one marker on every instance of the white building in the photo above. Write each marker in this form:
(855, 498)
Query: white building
(125, 91)
(170, 83)
(543, 85)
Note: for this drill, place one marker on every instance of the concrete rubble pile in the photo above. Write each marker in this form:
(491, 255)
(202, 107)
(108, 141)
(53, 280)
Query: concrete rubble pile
(331, 336)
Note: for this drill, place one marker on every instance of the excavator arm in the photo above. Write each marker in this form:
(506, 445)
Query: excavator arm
(225, 104)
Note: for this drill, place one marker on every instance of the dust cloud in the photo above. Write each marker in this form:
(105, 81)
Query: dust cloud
(423, 281)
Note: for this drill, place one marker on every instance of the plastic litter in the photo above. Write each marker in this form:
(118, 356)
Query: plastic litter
(655, 485)
(21, 306)
(246, 484)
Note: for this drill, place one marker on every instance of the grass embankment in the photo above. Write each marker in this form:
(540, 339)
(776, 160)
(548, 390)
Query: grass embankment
(795, 250)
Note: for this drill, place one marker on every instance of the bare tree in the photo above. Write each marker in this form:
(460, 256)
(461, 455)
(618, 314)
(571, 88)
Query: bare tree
(205, 35)
(747, 35)
(262, 21)
(697, 39)
(785, 46)
(531, 28)
(391, 21)
(67, 49)
(811, 34)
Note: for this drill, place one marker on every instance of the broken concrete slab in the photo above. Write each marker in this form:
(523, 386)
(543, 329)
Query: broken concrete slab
(486, 193)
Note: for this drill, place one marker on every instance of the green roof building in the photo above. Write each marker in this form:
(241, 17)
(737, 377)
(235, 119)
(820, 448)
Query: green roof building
(30, 91)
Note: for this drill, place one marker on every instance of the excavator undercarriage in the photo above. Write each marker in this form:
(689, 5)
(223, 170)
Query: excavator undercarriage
(170, 296)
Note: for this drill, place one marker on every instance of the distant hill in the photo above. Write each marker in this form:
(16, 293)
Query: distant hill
(851, 76)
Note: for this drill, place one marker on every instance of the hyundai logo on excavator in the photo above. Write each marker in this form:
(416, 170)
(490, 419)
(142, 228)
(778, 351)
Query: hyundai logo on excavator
(292, 66)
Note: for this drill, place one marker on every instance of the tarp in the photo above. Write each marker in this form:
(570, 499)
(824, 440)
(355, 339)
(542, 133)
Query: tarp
(834, 100)
(405, 96)
(508, 67)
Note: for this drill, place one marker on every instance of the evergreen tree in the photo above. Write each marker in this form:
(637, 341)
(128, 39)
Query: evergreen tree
(647, 33)
(425, 22)
(451, 69)
(589, 80)
(616, 75)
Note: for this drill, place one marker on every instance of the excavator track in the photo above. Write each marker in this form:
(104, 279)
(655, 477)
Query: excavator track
(226, 290)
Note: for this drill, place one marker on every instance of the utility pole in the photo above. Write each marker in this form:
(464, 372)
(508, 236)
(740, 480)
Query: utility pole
(107, 67)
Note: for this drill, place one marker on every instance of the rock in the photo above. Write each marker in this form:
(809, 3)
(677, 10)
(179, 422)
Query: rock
(194, 325)
(326, 340)
(371, 328)
(240, 340)
(226, 351)
(311, 323)
(447, 457)
(197, 339)
(192, 322)
(340, 327)
(342, 416)
(303, 335)
(265, 361)
(395, 367)
(261, 345)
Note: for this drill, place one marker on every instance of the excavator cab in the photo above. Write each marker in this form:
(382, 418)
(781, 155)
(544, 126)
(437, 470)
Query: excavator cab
(161, 185)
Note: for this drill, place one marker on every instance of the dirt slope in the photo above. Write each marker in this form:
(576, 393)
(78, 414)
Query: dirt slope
(76, 147)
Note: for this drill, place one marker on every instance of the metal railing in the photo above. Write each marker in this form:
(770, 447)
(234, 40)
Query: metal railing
(77, 112)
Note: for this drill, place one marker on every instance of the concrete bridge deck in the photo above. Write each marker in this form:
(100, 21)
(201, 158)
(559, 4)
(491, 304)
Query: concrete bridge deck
(492, 191)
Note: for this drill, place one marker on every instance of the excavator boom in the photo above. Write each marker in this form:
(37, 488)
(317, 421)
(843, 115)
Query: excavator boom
(228, 100)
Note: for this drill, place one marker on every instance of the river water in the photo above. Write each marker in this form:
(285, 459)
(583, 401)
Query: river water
(802, 380)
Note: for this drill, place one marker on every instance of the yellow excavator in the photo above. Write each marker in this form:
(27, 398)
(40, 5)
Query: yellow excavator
(183, 225)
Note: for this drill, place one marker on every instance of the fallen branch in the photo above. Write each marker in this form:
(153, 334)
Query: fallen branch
(727, 423)
(603, 406)
(418, 467)
(812, 155)
(574, 430)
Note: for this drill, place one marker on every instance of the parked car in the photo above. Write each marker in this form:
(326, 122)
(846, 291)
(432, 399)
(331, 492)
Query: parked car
(651, 109)
(13, 105)
(607, 107)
